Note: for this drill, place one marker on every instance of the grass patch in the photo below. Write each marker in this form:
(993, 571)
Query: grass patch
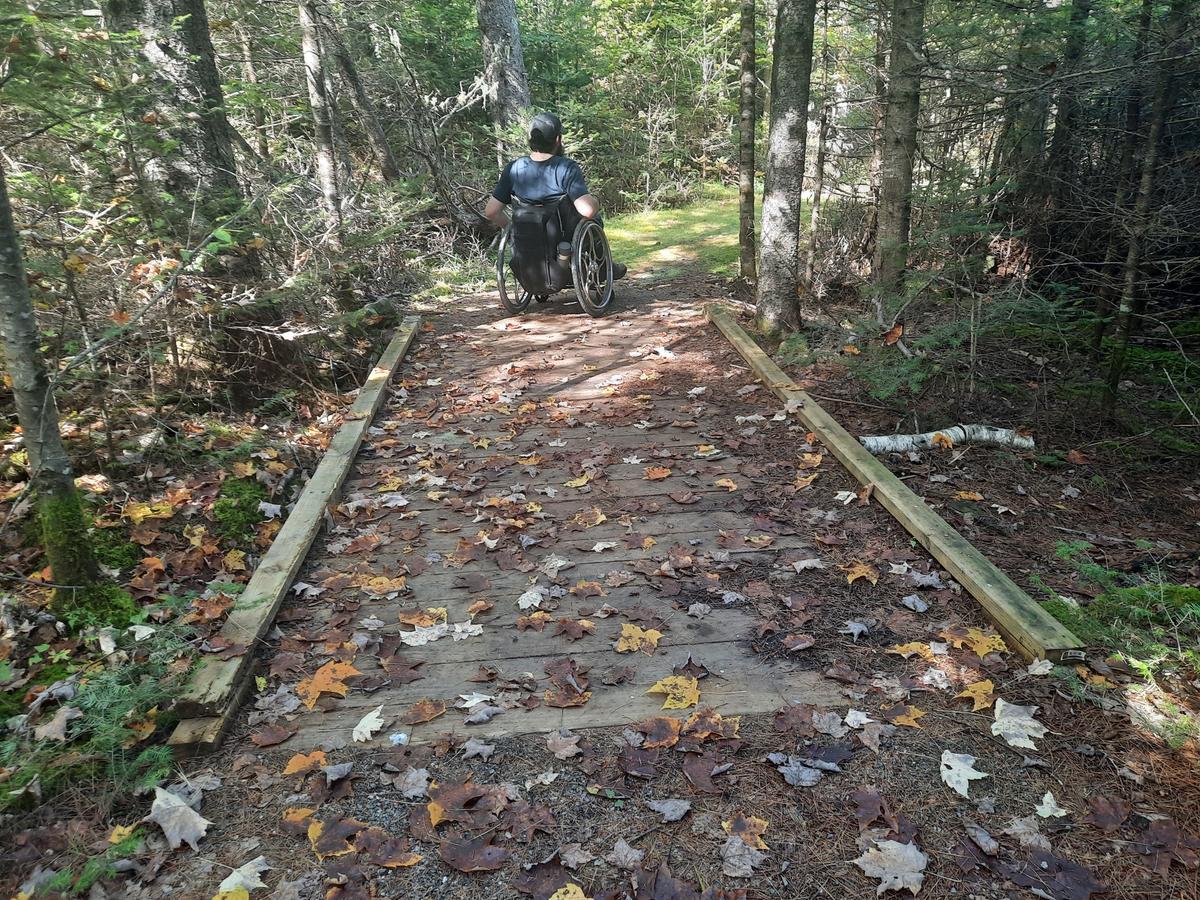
(703, 234)
(1153, 624)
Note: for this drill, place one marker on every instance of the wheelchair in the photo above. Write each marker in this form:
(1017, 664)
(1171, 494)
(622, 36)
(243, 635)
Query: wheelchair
(549, 247)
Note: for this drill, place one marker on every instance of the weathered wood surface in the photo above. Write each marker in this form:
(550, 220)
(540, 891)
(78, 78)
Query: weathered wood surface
(1024, 624)
(215, 682)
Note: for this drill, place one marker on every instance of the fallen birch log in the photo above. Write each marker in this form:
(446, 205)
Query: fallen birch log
(947, 437)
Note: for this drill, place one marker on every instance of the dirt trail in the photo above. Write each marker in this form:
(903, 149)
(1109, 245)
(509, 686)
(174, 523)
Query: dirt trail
(622, 476)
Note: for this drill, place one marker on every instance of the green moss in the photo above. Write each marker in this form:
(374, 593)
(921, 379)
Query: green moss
(236, 511)
(99, 605)
(65, 538)
(10, 704)
(113, 548)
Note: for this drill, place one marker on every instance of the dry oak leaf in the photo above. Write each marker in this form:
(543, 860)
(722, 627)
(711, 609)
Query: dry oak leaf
(749, 828)
(656, 473)
(980, 693)
(897, 866)
(303, 763)
(860, 570)
(634, 638)
(728, 483)
(180, 823)
(329, 679)
(424, 710)
(904, 714)
(681, 691)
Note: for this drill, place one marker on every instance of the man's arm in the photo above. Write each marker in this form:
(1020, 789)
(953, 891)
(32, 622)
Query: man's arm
(587, 206)
(495, 212)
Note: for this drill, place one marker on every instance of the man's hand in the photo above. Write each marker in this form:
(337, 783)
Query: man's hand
(495, 212)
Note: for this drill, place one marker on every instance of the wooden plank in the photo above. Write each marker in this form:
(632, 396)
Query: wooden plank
(1025, 625)
(216, 682)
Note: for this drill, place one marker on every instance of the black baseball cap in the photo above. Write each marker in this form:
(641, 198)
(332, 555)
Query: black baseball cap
(544, 132)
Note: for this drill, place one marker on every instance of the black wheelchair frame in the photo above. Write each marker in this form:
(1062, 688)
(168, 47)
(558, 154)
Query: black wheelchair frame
(530, 263)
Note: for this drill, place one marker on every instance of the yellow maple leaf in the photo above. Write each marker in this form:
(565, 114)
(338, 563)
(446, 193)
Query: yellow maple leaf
(234, 561)
(634, 638)
(589, 518)
(811, 460)
(579, 482)
(238, 893)
(803, 481)
(120, 833)
(728, 483)
(981, 642)
(329, 679)
(980, 693)
(968, 495)
(242, 469)
(860, 570)
(909, 717)
(913, 648)
(681, 691)
(138, 512)
(749, 828)
(570, 891)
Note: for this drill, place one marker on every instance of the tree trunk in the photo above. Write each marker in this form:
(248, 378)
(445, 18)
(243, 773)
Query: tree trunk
(318, 101)
(875, 171)
(810, 268)
(1060, 163)
(746, 122)
(1139, 225)
(899, 145)
(64, 525)
(368, 119)
(173, 38)
(1109, 271)
(250, 73)
(791, 73)
(506, 86)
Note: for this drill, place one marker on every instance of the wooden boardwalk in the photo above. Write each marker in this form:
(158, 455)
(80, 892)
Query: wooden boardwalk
(517, 454)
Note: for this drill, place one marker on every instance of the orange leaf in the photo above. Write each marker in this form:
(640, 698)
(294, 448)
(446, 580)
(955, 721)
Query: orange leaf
(893, 334)
(860, 570)
(303, 763)
(329, 679)
(656, 473)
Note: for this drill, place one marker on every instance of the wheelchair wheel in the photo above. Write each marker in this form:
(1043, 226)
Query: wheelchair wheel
(513, 297)
(591, 268)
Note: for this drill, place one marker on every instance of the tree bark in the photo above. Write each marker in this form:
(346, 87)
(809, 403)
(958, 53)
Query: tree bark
(1127, 312)
(250, 73)
(875, 171)
(368, 119)
(779, 282)
(899, 145)
(173, 38)
(318, 101)
(746, 121)
(810, 267)
(63, 524)
(506, 86)
(1060, 163)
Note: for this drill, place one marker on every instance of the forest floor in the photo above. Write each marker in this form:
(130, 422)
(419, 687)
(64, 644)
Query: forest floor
(628, 478)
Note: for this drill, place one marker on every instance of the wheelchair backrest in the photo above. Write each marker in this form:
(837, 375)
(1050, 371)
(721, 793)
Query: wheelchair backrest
(537, 229)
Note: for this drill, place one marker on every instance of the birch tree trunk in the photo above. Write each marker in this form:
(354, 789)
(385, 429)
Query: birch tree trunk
(186, 104)
(506, 86)
(779, 282)
(63, 524)
(361, 100)
(318, 101)
(899, 145)
(746, 121)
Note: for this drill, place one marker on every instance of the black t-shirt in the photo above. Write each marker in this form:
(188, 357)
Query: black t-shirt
(537, 181)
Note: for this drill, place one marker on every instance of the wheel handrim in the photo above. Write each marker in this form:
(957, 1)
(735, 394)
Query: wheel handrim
(596, 268)
(511, 293)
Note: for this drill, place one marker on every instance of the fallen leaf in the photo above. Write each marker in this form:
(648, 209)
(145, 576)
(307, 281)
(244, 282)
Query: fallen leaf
(749, 828)
(1049, 808)
(623, 856)
(860, 570)
(906, 715)
(634, 638)
(656, 473)
(958, 771)
(979, 693)
(246, 876)
(739, 859)
(473, 854)
(670, 810)
(329, 679)
(681, 691)
(368, 725)
(303, 763)
(728, 483)
(897, 866)
(423, 710)
(1017, 725)
(563, 744)
(179, 822)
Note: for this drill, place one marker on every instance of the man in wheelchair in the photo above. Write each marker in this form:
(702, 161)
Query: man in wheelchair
(555, 235)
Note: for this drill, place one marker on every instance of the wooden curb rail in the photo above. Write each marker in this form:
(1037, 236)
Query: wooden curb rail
(1024, 624)
(217, 686)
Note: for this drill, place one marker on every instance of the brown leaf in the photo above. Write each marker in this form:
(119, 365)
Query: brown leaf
(796, 718)
(660, 731)
(1106, 813)
(402, 670)
(795, 642)
(333, 838)
(699, 771)
(522, 819)
(272, 735)
(472, 854)
(424, 710)
(573, 630)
